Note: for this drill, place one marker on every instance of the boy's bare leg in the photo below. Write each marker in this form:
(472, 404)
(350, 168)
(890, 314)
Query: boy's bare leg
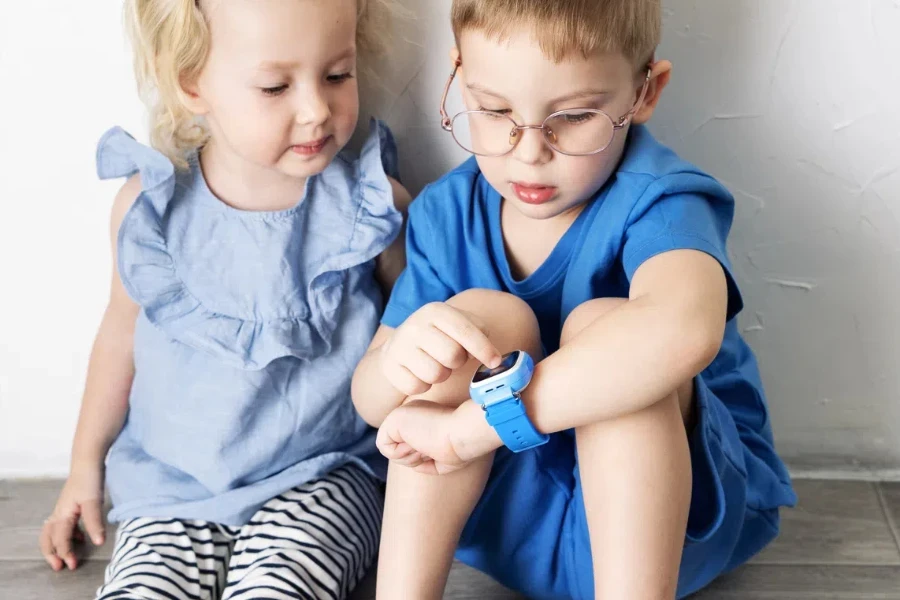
(636, 479)
(424, 514)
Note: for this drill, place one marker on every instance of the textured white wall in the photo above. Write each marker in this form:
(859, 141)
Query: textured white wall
(64, 79)
(792, 104)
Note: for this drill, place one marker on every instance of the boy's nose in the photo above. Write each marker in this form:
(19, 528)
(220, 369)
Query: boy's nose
(531, 148)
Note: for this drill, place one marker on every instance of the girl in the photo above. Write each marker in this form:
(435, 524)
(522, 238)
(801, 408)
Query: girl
(243, 296)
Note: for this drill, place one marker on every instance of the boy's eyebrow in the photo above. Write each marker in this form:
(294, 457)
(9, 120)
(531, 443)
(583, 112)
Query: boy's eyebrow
(589, 93)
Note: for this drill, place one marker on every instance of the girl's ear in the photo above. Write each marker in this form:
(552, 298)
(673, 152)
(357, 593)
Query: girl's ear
(193, 100)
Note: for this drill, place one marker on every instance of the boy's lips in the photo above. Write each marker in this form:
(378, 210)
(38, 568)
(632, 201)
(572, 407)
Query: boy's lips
(533, 193)
(311, 148)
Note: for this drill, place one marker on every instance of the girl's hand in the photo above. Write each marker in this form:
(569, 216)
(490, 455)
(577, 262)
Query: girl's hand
(81, 498)
(432, 343)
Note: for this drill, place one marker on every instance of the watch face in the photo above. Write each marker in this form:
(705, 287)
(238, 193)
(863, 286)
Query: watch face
(483, 373)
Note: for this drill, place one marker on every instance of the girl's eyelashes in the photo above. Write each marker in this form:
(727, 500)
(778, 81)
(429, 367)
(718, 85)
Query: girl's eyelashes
(274, 90)
(340, 77)
(277, 90)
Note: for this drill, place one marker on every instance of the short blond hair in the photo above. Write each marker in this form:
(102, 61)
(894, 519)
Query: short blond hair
(562, 27)
(170, 41)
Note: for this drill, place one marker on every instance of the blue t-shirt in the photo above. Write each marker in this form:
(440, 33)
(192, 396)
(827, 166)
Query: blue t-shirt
(654, 203)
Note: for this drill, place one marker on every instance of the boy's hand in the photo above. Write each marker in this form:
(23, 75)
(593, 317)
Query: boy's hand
(431, 344)
(81, 498)
(435, 439)
(418, 435)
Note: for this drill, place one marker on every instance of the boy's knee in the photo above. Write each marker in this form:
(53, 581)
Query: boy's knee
(507, 320)
(585, 314)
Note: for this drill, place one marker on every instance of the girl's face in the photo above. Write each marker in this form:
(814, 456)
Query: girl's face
(279, 87)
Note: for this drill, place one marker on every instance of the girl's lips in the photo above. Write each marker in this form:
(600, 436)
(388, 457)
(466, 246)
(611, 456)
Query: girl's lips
(312, 148)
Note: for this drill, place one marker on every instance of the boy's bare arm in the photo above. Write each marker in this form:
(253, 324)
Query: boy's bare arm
(670, 329)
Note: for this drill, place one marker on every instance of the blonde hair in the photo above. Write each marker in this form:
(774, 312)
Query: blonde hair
(561, 27)
(170, 41)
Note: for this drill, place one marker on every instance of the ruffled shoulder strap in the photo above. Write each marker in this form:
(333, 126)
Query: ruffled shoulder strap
(120, 155)
(147, 267)
(376, 221)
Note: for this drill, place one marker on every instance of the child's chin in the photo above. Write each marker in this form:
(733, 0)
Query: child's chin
(545, 211)
(294, 166)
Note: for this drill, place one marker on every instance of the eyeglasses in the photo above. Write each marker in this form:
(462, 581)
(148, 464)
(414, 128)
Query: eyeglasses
(573, 132)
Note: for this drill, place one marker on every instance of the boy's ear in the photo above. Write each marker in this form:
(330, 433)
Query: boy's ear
(190, 96)
(660, 74)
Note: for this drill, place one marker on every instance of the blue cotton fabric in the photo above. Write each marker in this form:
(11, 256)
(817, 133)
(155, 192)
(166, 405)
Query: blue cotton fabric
(251, 324)
(529, 530)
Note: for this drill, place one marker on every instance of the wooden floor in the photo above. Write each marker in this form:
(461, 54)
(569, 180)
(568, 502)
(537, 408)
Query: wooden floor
(840, 543)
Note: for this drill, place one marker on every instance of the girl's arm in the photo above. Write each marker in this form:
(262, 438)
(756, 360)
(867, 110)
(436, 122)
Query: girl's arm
(392, 261)
(111, 367)
(373, 395)
(388, 267)
(103, 410)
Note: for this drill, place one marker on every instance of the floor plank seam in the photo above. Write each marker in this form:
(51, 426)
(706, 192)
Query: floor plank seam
(829, 563)
(888, 515)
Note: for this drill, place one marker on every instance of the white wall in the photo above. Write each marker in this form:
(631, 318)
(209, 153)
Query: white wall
(787, 102)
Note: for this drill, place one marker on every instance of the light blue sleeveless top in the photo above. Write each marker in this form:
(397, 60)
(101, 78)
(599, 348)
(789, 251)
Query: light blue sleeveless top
(250, 328)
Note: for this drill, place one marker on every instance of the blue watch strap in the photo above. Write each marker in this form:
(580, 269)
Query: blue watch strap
(513, 426)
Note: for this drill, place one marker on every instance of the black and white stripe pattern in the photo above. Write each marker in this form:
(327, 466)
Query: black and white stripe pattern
(315, 541)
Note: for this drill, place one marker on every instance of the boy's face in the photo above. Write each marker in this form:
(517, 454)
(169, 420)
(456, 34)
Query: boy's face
(515, 78)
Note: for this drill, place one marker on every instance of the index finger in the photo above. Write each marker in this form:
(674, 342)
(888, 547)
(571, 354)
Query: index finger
(92, 517)
(465, 333)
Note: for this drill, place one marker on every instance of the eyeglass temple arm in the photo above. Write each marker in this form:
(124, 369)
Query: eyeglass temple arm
(446, 122)
(640, 101)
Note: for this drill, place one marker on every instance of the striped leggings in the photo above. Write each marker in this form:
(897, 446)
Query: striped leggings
(315, 541)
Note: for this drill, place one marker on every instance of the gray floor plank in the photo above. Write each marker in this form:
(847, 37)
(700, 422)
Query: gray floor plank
(464, 583)
(21, 543)
(890, 492)
(796, 582)
(33, 580)
(836, 545)
(23, 507)
(835, 523)
(27, 580)
(27, 503)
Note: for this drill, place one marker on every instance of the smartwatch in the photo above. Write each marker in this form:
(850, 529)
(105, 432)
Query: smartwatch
(498, 391)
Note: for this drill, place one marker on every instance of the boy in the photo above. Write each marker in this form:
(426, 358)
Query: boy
(571, 235)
